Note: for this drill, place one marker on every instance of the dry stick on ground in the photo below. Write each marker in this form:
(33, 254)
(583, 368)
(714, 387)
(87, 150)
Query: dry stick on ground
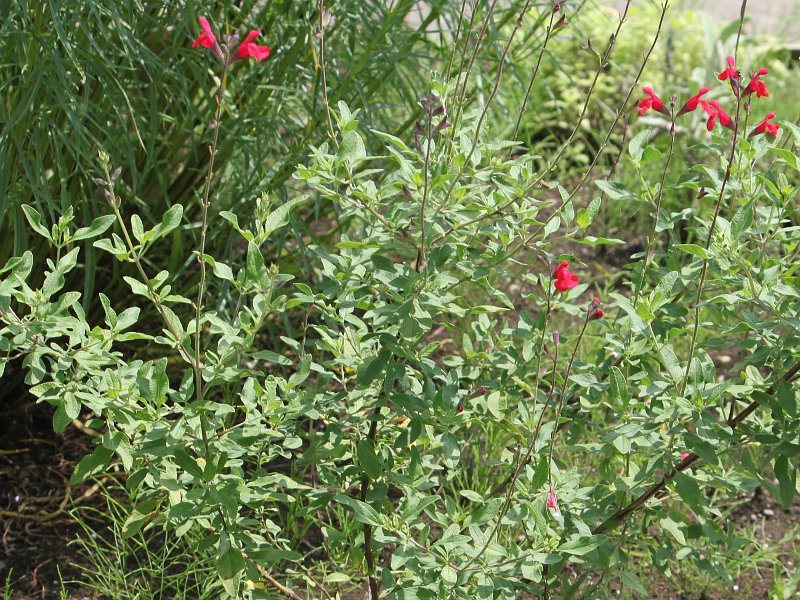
(658, 488)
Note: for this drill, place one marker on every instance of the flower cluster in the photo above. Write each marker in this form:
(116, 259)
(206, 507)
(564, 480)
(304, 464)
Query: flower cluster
(715, 112)
(247, 49)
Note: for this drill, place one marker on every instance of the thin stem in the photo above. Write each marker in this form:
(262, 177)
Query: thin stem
(660, 196)
(560, 405)
(463, 95)
(509, 483)
(534, 75)
(503, 56)
(449, 70)
(115, 204)
(704, 270)
(201, 257)
(426, 188)
(323, 70)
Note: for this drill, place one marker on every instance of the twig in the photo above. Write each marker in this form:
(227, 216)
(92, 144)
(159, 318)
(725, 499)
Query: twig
(282, 588)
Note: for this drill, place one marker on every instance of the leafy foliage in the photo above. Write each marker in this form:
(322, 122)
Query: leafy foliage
(411, 386)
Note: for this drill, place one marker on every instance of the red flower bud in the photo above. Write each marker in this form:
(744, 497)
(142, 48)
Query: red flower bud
(552, 501)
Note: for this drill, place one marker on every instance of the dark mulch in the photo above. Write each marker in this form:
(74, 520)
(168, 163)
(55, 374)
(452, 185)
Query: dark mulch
(35, 495)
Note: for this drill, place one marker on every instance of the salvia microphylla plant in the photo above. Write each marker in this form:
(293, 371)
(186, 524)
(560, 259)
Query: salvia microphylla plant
(364, 402)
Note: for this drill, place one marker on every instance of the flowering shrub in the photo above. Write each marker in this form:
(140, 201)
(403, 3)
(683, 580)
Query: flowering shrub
(363, 397)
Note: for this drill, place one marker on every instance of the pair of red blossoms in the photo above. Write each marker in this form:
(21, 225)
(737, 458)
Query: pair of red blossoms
(712, 108)
(247, 49)
(566, 280)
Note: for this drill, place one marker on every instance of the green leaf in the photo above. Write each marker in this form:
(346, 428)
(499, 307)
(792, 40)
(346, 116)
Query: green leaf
(742, 220)
(278, 218)
(638, 144)
(616, 191)
(54, 280)
(223, 271)
(89, 465)
(540, 474)
(787, 397)
(582, 545)
(95, 228)
(586, 215)
(170, 220)
(362, 511)
(188, 464)
(786, 473)
(695, 250)
(60, 419)
(230, 564)
(619, 387)
(35, 221)
(688, 490)
(372, 368)
(352, 148)
(631, 581)
(368, 460)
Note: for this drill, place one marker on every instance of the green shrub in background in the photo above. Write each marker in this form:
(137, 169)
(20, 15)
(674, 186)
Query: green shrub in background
(693, 45)
(437, 408)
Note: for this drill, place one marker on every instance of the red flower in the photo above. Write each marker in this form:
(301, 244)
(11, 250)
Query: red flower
(598, 314)
(756, 85)
(552, 501)
(731, 72)
(564, 279)
(685, 455)
(248, 49)
(460, 408)
(766, 127)
(653, 102)
(693, 102)
(714, 112)
(207, 39)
